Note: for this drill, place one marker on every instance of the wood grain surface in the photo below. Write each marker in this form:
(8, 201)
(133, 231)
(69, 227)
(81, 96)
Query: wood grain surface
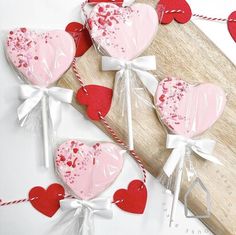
(182, 51)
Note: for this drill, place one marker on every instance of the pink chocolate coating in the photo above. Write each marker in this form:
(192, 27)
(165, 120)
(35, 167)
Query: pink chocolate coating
(41, 58)
(186, 109)
(88, 170)
(123, 32)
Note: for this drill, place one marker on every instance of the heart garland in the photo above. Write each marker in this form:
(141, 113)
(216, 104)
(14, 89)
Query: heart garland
(180, 11)
(47, 201)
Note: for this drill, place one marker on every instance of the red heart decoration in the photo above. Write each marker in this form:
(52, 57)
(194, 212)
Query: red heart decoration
(81, 36)
(120, 2)
(167, 5)
(133, 199)
(47, 201)
(232, 25)
(97, 99)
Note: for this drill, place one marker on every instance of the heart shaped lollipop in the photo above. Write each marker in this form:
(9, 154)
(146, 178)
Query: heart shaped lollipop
(41, 58)
(186, 109)
(123, 32)
(88, 170)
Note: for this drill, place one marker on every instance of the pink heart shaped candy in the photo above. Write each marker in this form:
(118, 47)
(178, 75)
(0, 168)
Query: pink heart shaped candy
(41, 58)
(123, 32)
(88, 170)
(186, 109)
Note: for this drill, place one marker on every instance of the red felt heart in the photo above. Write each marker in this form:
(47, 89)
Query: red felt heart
(97, 99)
(132, 199)
(232, 25)
(119, 2)
(81, 36)
(168, 5)
(47, 201)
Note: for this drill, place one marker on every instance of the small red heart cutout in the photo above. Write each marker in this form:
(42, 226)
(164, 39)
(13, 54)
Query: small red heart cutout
(47, 201)
(133, 199)
(232, 25)
(97, 99)
(81, 36)
(168, 5)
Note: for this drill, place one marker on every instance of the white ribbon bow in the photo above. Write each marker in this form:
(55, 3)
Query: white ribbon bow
(85, 211)
(34, 94)
(202, 148)
(139, 65)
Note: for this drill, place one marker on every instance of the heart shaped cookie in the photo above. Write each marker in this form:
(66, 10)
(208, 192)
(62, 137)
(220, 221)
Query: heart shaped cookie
(123, 32)
(88, 170)
(186, 109)
(41, 58)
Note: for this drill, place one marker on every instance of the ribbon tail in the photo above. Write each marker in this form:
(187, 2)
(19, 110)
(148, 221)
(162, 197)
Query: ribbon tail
(149, 80)
(55, 112)
(206, 156)
(86, 225)
(173, 160)
(25, 108)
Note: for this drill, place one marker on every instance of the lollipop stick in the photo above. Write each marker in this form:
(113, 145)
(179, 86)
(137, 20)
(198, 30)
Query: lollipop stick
(177, 190)
(129, 110)
(45, 130)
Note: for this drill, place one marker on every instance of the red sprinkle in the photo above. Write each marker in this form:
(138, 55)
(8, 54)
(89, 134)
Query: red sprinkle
(23, 30)
(74, 165)
(62, 158)
(162, 98)
(100, 9)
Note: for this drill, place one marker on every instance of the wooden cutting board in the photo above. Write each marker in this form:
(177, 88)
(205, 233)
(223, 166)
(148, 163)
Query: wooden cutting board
(185, 52)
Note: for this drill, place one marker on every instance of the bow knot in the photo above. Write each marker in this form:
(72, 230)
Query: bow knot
(44, 90)
(34, 94)
(128, 65)
(85, 210)
(180, 144)
(140, 66)
(190, 142)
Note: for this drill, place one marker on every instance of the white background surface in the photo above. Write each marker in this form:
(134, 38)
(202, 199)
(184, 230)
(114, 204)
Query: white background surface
(21, 150)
